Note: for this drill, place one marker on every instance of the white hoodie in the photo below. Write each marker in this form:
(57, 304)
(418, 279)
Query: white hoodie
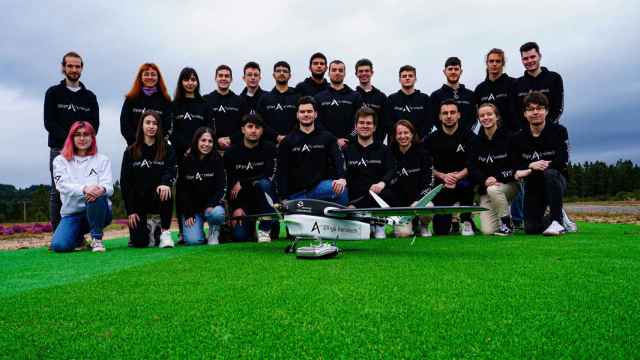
(71, 176)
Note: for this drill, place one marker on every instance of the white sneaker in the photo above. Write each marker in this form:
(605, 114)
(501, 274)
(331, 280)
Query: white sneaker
(403, 230)
(568, 225)
(467, 229)
(378, 232)
(424, 231)
(554, 229)
(97, 245)
(214, 234)
(263, 236)
(165, 240)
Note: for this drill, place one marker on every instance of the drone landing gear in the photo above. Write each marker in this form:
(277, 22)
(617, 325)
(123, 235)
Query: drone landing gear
(317, 250)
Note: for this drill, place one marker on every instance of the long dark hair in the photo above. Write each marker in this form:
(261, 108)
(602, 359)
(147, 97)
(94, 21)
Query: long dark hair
(186, 73)
(196, 137)
(161, 146)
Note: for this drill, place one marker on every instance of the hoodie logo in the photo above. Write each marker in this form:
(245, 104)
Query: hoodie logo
(489, 159)
(249, 166)
(406, 108)
(145, 163)
(198, 176)
(404, 172)
(491, 97)
(222, 109)
(334, 102)
(305, 147)
(460, 148)
(362, 162)
(279, 107)
(72, 107)
(57, 178)
(187, 116)
(93, 172)
(535, 156)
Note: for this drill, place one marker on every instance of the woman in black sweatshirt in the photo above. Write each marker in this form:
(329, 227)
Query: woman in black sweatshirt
(148, 94)
(491, 167)
(202, 185)
(413, 178)
(147, 175)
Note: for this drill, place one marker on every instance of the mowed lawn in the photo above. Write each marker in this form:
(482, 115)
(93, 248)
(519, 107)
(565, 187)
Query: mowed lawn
(575, 296)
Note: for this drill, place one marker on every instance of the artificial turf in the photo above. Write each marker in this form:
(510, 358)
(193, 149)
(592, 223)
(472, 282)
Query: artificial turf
(575, 296)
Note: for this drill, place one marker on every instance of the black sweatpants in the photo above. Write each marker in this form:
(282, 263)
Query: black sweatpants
(462, 193)
(139, 236)
(542, 190)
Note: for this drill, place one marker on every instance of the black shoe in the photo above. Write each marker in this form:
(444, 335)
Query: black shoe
(503, 230)
(274, 233)
(455, 228)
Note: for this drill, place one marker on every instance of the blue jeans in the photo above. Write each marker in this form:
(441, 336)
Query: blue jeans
(71, 230)
(323, 191)
(253, 201)
(517, 205)
(194, 234)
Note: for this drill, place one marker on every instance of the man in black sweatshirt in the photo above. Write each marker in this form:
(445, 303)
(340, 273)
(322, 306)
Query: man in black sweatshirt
(452, 89)
(279, 106)
(372, 97)
(410, 104)
(450, 148)
(496, 89)
(338, 105)
(370, 167)
(227, 108)
(64, 104)
(250, 166)
(316, 82)
(537, 78)
(310, 165)
(541, 156)
(252, 91)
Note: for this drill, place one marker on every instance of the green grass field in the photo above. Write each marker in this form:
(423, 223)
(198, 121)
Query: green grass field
(576, 296)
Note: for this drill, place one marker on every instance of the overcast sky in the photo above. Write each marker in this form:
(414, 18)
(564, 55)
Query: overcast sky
(592, 44)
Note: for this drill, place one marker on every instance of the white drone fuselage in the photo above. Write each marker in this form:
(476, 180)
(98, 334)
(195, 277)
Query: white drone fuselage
(322, 227)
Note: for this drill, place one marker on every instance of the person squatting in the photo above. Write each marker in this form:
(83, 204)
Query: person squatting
(209, 156)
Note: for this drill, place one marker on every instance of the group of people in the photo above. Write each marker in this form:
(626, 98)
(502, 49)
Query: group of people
(221, 153)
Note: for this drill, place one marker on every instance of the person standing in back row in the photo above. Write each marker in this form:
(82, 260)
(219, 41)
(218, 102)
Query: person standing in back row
(372, 97)
(64, 104)
(410, 104)
(453, 89)
(316, 82)
(496, 89)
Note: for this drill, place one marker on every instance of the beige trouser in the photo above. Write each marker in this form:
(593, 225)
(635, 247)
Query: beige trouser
(497, 200)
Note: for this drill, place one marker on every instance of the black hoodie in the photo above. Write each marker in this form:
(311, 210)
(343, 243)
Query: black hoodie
(202, 183)
(140, 178)
(498, 92)
(132, 109)
(227, 112)
(376, 100)
(63, 107)
(337, 110)
(548, 83)
(449, 153)
(491, 157)
(251, 102)
(466, 104)
(309, 87)
(415, 108)
(187, 115)
(247, 165)
(413, 173)
(279, 110)
(367, 166)
(306, 159)
(552, 144)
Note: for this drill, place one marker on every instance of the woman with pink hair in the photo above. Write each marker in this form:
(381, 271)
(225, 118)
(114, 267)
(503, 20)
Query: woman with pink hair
(83, 178)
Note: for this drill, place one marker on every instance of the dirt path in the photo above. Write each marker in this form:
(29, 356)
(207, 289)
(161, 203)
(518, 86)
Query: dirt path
(14, 242)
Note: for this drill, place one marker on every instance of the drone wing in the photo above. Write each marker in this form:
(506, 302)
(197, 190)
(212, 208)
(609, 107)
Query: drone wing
(404, 211)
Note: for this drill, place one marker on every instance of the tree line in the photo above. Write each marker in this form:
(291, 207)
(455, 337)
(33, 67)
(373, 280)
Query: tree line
(588, 181)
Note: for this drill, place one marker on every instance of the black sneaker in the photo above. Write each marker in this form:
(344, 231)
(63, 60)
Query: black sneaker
(503, 230)
(455, 228)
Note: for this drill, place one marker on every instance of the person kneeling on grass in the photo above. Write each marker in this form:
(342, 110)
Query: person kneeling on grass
(83, 178)
(202, 186)
(413, 175)
(541, 151)
(491, 168)
(147, 175)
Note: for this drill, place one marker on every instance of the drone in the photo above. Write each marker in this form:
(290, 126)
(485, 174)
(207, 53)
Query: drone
(325, 222)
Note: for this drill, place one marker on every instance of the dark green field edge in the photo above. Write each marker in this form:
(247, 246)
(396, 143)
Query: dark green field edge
(451, 297)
